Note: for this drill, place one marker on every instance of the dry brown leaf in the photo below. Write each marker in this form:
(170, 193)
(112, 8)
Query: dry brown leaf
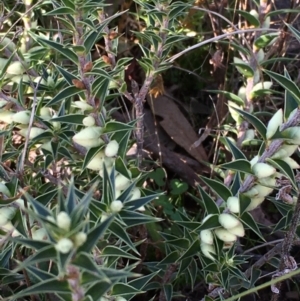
(177, 126)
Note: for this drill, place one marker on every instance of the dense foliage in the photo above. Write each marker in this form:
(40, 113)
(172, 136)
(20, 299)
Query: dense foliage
(89, 208)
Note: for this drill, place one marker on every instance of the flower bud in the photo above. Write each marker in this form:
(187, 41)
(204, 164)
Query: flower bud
(64, 245)
(254, 13)
(6, 116)
(45, 113)
(6, 215)
(284, 151)
(88, 121)
(263, 170)
(89, 137)
(83, 105)
(225, 235)
(15, 68)
(292, 134)
(250, 134)
(207, 237)
(291, 162)
(63, 220)
(121, 182)
(207, 250)
(260, 56)
(255, 202)
(104, 217)
(274, 123)
(269, 182)
(228, 221)
(238, 230)
(7, 43)
(136, 194)
(266, 23)
(39, 234)
(254, 160)
(4, 190)
(56, 124)
(263, 191)
(112, 148)
(242, 93)
(233, 204)
(22, 117)
(116, 206)
(80, 238)
(97, 162)
(34, 132)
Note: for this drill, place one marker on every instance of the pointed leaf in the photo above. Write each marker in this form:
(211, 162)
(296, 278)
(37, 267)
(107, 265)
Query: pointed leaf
(248, 221)
(220, 189)
(286, 83)
(210, 205)
(240, 165)
(236, 152)
(260, 127)
(285, 169)
(94, 235)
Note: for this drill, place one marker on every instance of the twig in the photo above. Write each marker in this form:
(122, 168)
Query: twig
(139, 97)
(20, 169)
(287, 262)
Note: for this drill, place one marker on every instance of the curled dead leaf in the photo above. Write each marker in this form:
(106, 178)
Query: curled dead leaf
(78, 84)
(88, 67)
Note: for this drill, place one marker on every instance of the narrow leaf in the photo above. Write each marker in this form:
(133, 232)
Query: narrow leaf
(220, 189)
(260, 127)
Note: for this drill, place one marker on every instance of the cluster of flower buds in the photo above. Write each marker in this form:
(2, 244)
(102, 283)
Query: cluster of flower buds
(231, 228)
(65, 244)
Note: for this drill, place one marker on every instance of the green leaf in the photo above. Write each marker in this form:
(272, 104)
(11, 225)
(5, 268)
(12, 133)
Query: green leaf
(65, 93)
(168, 290)
(71, 119)
(142, 201)
(211, 222)
(141, 282)
(286, 83)
(259, 126)
(121, 233)
(191, 251)
(98, 289)
(60, 11)
(86, 263)
(115, 126)
(265, 40)
(210, 205)
(248, 221)
(94, 234)
(236, 152)
(244, 69)
(240, 165)
(113, 251)
(181, 243)
(66, 75)
(244, 203)
(122, 289)
(91, 153)
(230, 96)
(178, 187)
(290, 103)
(250, 18)
(285, 169)
(39, 208)
(47, 286)
(17, 221)
(220, 189)
(67, 53)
